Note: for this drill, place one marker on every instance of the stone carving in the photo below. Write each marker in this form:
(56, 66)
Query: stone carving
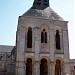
(44, 47)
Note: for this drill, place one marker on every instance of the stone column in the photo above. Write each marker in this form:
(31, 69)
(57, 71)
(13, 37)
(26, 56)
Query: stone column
(52, 50)
(52, 43)
(52, 68)
(37, 69)
(49, 69)
(62, 69)
(37, 43)
(25, 68)
(37, 48)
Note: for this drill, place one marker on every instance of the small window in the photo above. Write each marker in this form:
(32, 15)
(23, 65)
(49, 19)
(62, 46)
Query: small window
(74, 67)
(57, 39)
(8, 56)
(45, 3)
(44, 36)
(45, 0)
(38, 3)
(1, 57)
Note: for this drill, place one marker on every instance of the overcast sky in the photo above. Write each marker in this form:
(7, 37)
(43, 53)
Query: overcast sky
(11, 9)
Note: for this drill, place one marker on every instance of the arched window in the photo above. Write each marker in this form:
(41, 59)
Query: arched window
(43, 67)
(29, 38)
(57, 39)
(44, 36)
(74, 67)
(58, 67)
(29, 66)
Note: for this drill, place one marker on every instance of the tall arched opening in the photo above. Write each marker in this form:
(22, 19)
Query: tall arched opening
(29, 66)
(29, 38)
(57, 38)
(43, 67)
(58, 67)
(43, 36)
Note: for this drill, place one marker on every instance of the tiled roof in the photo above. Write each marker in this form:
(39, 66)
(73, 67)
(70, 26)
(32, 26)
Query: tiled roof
(6, 48)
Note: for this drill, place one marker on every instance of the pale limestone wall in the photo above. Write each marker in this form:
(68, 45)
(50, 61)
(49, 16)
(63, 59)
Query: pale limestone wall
(20, 48)
(38, 50)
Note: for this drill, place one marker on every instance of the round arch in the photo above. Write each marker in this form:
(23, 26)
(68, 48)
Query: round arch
(29, 66)
(44, 26)
(59, 58)
(29, 56)
(58, 66)
(45, 57)
(43, 67)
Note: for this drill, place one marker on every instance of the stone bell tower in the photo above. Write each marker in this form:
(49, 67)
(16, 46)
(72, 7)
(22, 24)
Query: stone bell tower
(42, 42)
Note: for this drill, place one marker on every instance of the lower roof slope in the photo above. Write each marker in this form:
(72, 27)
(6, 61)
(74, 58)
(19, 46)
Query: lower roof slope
(5, 48)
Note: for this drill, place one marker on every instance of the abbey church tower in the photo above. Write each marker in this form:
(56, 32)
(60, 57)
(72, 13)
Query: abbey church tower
(42, 42)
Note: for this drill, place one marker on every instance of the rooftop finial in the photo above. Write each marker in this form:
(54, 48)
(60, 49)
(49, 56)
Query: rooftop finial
(40, 4)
